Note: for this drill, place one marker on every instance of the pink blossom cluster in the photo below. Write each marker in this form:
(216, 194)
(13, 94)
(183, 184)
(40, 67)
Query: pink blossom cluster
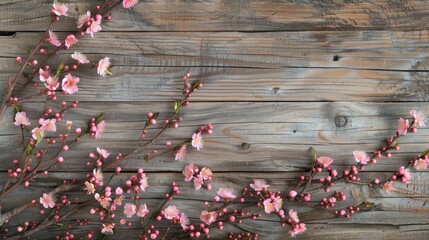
(193, 173)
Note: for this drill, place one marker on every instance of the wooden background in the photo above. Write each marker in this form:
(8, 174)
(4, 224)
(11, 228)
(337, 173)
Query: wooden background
(279, 77)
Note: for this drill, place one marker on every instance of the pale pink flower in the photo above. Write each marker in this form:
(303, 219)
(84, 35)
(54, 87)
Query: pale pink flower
(70, 40)
(47, 200)
(259, 184)
(171, 212)
(206, 173)
(104, 201)
(144, 184)
(324, 161)
(129, 3)
(142, 210)
(86, 17)
(361, 157)
(388, 187)
(184, 221)
(406, 175)
(98, 175)
(37, 132)
(198, 182)
(80, 57)
(103, 152)
(420, 164)
(108, 228)
(271, 205)
(53, 39)
(44, 75)
(118, 200)
(188, 172)
(95, 27)
(297, 229)
(197, 141)
(130, 209)
(293, 215)
(403, 125)
(208, 217)
(418, 117)
(226, 193)
(101, 126)
(48, 125)
(90, 188)
(21, 119)
(52, 83)
(60, 9)
(180, 154)
(70, 84)
(103, 67)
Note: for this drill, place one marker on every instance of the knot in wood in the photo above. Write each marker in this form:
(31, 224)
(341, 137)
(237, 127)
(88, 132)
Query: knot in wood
(340, 121)
(245, 146)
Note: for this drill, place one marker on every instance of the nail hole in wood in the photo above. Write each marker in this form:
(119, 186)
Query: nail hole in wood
(245, 146)
(336, 58)
(276, 90)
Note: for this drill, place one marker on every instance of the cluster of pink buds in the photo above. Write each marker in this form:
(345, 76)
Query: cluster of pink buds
(348, 211)
(244, 235)
(137, 182)
(402, 175)
(96, 127)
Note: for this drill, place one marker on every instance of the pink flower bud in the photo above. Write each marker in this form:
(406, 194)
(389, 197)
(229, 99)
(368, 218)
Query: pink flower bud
(293, 194)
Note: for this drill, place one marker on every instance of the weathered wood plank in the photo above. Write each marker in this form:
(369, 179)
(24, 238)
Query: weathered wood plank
(251, 136)
(221, 15)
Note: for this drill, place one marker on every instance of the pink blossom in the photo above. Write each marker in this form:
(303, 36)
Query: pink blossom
(36, 132)
(103, 67)
(188, 171)
(171, 212)
(90, 189)
(86, 17)
(70, 84)
(104, 201)
(144, 184)
(108, 228)
(208, 217)
(47, 200)
(49, 125)
(420, 164)
(130, 209)
(297, 229)
(206, 173)
(129, 3)
(44, 75)
(184, 221)
(52, 83)
(53, 39)
(142, 211)
(95, 27)
(259, 184)
(388, 187)
(21, 119)
(180, 154)
(103, 152)
(118, 200)
(98, 175)
(406, 175)
(100, 129)
(403, 125)
(60, 9)
(226, 193)
(361, 157)
(80, 57)
(325, 161)
(418, 117)
(198, 182)
(70, 40)
(197, 141)
(271, 205)
(293, 215)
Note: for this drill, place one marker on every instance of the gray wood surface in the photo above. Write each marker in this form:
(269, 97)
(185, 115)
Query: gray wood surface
(279, 77)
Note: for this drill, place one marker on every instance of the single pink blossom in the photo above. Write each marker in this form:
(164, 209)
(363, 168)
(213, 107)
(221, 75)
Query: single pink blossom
(403, 125)
(47, 200)
(104, 201)
(418, 117)
(142, 210)
(89, 187)
(197, 141)
(21, 119)
(84, 18)
(60, 9)
(101, 126)
(198, 182)
(361, 157)
(388, 187)
(129, 3)
(53, 39)
(98, 175)
(107, 228)
(259, 184)
(420, 164)
(297, 229)
(206, 173)
(70, 40)
(171, 212)
(208, 217)
(70, 84)
(44, 75)
(144, 184)
(180, 154)
(226, 193)
(324, 161)
(184, 221)
(103, 67)
(95, 27)
(80, 57)
(52, 83)
(188, 172)
(36, 132)
(271, 205)
(130, 209)
(103, 152)
(48, 125)
(293, 215)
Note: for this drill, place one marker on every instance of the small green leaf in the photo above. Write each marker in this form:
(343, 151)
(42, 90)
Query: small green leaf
(196, 84)
(39, 138)
(313, 153)
(17, 109)
(176, 106)
(59, 69)
(29, 150)
(426, 152)
(155, 115)
(146, 159)
(100, 118)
